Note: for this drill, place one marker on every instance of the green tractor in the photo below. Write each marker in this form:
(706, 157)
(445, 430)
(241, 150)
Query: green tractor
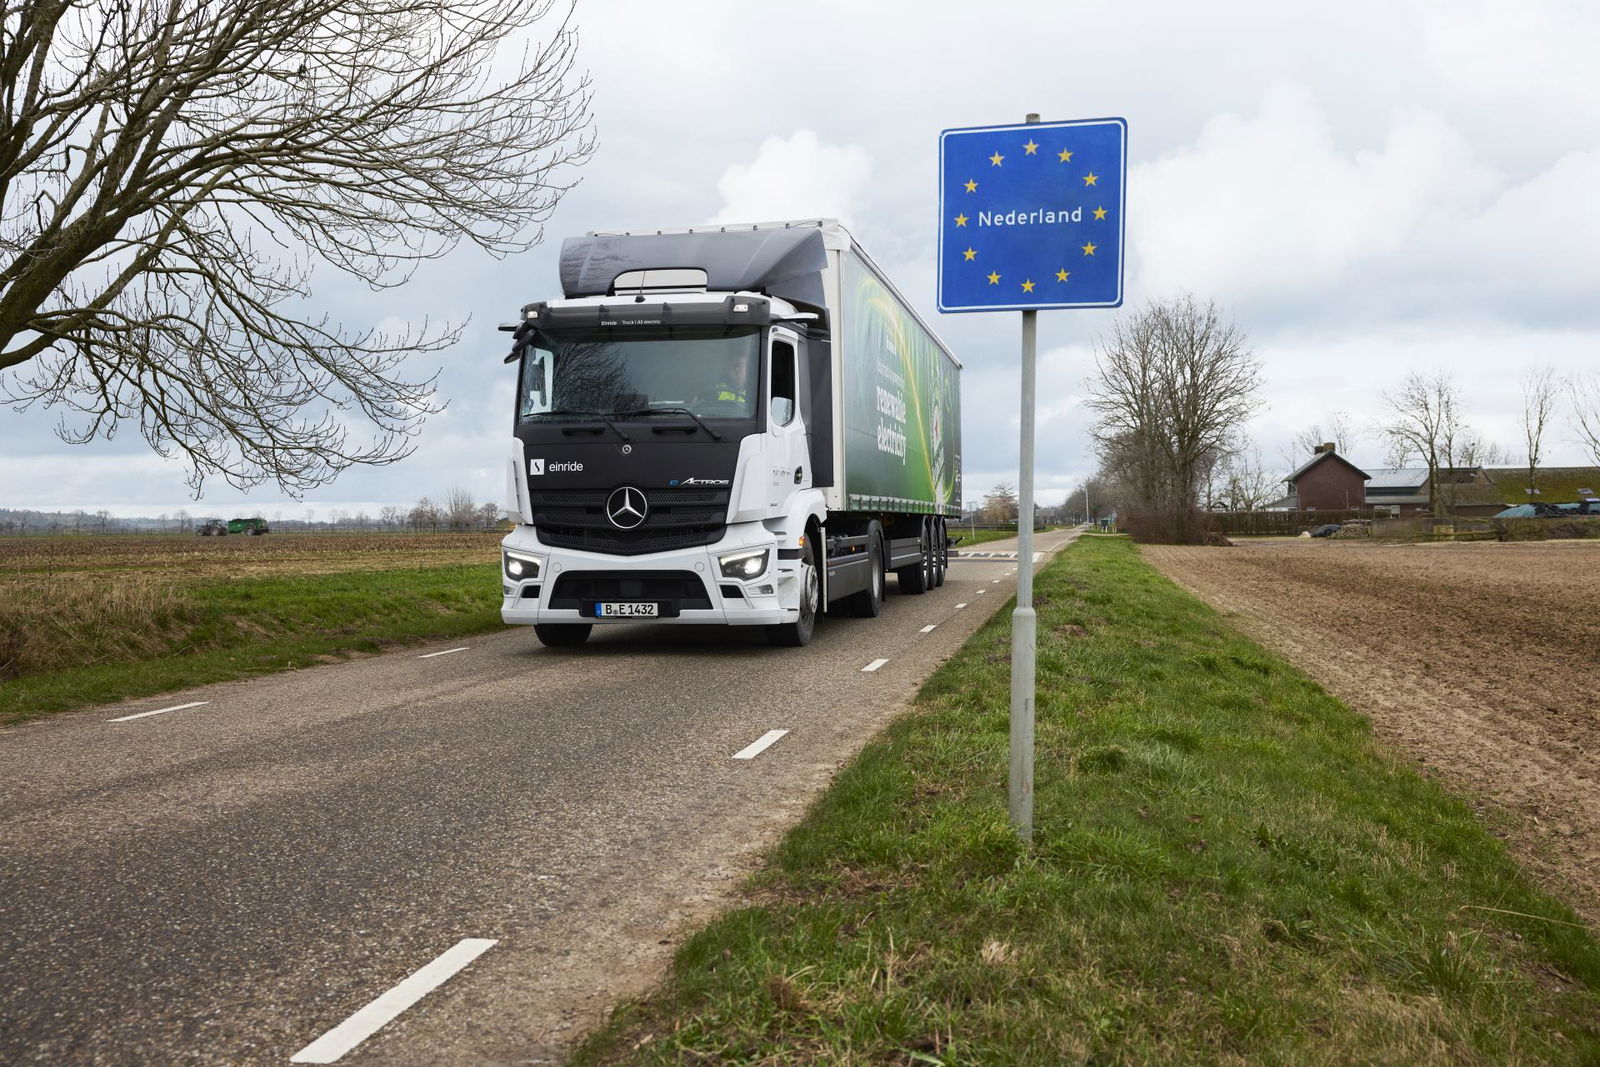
(253, 527)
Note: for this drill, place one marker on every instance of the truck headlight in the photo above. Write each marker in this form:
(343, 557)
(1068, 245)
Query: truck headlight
(744, 565)
(519, 566)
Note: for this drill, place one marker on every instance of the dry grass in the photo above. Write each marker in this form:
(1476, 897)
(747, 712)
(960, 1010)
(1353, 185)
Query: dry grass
(51, 624)
(78, 558)
(69, 602)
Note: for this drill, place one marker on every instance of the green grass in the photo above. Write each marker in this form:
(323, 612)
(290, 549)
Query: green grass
(970, 538)
(1225, 868)
(217, 631)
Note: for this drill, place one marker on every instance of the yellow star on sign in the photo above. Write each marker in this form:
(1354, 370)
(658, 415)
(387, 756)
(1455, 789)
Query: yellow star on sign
(994, 279)
(1030, 148)
(1065, 155)
(970, 254)
(972, 186)
(1091, 178)
(1099, 212)
(1027, 286)
(961, 220)
(1089, 248)
(996, 158)
(1063, 275)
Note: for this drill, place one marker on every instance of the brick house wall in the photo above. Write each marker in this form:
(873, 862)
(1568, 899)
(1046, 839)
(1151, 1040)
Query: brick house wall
(1329, 485)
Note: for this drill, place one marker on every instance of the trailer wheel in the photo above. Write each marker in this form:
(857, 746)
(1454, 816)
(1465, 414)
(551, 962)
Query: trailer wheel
(798, 633)
(918, 578)
(869, 602)
(562, 634)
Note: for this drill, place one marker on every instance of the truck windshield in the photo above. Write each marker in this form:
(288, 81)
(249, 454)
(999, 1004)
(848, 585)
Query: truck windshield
(712, 372)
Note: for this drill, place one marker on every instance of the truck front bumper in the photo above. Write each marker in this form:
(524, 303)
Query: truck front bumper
(687, 586)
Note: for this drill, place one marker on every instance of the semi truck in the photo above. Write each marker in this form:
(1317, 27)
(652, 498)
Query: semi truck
(733, 425)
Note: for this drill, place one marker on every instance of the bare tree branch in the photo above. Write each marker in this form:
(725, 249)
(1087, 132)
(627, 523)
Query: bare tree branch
(1585, 392)
(171, 170)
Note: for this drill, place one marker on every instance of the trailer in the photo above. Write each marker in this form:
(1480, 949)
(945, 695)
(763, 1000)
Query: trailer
(739, 425)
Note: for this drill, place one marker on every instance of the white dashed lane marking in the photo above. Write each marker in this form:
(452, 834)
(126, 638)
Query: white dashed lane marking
(874, 665)
(446, 652)
(370, 1019)
(760, 745)
(160, 711)
(927, 629)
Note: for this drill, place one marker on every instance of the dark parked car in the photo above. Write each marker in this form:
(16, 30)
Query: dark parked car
(1326, 530)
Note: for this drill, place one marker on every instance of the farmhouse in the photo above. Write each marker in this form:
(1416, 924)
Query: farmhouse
(1327, 482)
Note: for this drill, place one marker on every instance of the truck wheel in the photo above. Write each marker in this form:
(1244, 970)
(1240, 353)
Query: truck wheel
(918, 578)
(869, 602)
(798, 633)
(941, 552)
(562, 634)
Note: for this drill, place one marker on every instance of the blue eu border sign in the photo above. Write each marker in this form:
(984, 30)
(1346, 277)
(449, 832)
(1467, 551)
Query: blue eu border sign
(1031, 215)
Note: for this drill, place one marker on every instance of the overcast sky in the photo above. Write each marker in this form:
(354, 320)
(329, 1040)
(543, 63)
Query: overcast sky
(1365, 188)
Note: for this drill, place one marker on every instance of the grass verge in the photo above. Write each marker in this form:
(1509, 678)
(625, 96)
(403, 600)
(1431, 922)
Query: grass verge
(1225, 868)
(219, 631)
(979, 537)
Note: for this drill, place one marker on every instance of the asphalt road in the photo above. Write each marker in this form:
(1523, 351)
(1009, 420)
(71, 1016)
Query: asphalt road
(227, 882)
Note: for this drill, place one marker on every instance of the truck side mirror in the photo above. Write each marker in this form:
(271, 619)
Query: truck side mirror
(782, 410)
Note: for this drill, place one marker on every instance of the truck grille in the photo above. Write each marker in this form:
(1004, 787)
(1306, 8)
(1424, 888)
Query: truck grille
(677, 518)
(682, 590)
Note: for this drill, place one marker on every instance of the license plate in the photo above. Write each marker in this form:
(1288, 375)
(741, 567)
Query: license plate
(626, 611)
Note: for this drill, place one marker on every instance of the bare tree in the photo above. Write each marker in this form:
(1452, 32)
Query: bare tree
(1424, 425)
(1585, 392)
(425, 515)
(1001, 504)
(1243, 482)
(170, 171)
(1340, 432)
(1541, 388)
(392, 517)
(1172, 387)
(1472, 449)
(460, 510)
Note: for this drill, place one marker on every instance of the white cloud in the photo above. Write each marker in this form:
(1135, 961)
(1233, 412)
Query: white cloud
(1269, 207)
(1270, 214)
(795, 178)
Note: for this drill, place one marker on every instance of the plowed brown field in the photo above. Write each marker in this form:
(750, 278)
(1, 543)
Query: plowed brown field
(1481, 661)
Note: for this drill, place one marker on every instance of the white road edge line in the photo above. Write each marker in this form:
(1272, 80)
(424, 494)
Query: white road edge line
(928, 629)
(759, 745)
(160, 711)
(366, 1022)
(446, 652)
(874, 665)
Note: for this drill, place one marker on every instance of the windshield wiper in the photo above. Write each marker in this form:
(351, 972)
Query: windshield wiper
(673, 411)
(589, 412)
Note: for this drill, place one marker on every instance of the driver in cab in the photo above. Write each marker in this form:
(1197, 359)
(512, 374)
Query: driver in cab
(732, 385)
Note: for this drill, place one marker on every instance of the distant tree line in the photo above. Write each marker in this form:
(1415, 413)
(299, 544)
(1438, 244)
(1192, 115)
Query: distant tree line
(456, 511)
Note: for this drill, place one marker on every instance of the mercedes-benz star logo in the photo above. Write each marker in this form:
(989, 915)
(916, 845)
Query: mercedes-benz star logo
(626, 507)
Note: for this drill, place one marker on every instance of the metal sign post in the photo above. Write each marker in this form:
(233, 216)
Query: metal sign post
(1024, 620)
(1030, 217)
